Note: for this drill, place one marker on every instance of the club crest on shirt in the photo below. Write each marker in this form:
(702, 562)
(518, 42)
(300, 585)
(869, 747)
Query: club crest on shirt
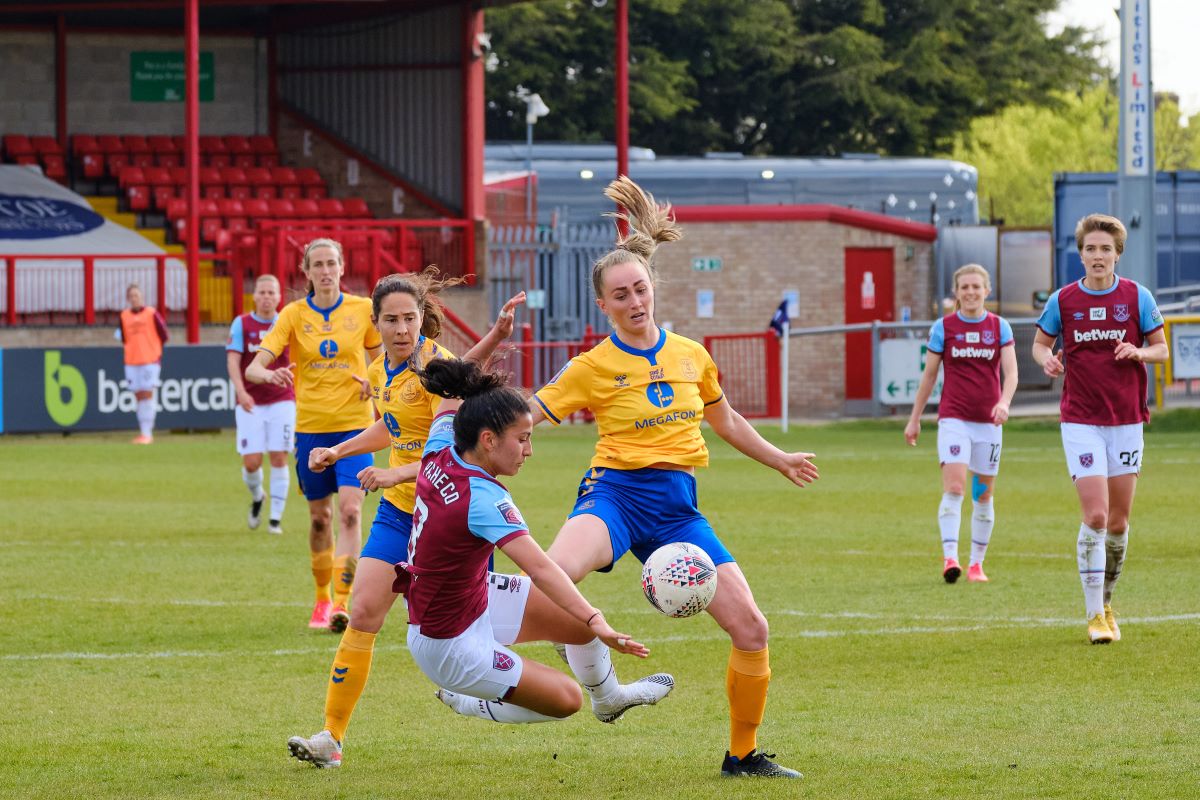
(510, 513)
(989, 337)
(502, 661)
(1097, 314)
(688, 368)
(1085, 460)
(1121, 312)
(972, 337)
(411, 392)
(955, 449)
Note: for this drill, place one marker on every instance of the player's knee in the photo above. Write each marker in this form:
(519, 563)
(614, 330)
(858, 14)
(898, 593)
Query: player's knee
(1118, 523)
(319, 522)
(350, 517)
(752, 631)
(568, 699)
(279, 460)
(1095, 518)
(252, 462)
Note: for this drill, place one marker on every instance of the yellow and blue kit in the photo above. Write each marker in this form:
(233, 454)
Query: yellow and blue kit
(329, 347)
(648, 406)
(407, 410)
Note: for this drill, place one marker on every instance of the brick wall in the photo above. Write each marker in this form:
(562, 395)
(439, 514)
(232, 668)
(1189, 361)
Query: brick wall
(27, 85)
(761, 261)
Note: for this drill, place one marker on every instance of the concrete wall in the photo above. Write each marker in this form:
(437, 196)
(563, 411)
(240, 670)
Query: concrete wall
(98, 85)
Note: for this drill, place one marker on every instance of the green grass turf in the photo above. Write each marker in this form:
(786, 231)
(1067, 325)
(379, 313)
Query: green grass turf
(153, 647)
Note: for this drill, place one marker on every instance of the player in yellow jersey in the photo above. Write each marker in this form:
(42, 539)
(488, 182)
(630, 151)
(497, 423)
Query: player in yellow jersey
(331, 341)
(649, 390)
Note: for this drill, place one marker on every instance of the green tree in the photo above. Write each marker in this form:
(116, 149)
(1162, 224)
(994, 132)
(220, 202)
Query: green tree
(789, 77)
(1019, 150)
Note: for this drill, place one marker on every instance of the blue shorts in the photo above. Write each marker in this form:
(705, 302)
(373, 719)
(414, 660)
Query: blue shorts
(319, 485)
(645, 509)
(388, 540)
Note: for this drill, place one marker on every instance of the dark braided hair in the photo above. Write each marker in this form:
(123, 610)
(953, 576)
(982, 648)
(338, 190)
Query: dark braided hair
(488, 401)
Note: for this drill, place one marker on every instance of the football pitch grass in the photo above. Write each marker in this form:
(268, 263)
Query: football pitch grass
(152, 646)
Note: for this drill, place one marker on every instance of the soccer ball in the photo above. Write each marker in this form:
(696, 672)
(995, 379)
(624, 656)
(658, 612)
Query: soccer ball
(679, 579)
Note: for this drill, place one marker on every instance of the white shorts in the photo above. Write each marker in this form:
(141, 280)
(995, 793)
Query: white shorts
(976, 444)
(143, 377)
(1102, 450)
(266, 429)
(477, 662)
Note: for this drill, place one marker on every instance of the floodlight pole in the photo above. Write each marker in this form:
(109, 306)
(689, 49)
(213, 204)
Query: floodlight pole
(191, 126)
(621, 76)
(1136, 168)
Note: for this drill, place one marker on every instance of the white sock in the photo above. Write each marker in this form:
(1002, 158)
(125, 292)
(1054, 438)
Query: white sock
(280, 480)
(982, 522)
(145, 416)
(949, 519)
(1090, 555)
(1114, 558)
(592, 665)
(253, 481)
(493, 710)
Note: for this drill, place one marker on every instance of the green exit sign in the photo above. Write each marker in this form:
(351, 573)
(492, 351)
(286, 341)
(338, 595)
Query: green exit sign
(157, 76)
(706, 264)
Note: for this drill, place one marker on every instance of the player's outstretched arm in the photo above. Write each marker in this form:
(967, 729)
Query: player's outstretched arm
(374, 478)
(371, 440)
(733, 428)
(928, 378)
(550, 578)
(482, 351)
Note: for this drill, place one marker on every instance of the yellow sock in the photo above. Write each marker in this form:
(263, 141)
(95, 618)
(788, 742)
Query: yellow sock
(343, 578)
(746, 681)
(347, 679)
(322, 571)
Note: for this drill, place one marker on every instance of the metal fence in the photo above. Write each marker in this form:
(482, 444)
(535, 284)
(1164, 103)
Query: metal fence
(553, 264)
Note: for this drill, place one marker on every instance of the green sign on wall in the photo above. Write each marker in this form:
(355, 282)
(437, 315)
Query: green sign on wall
(156, 76)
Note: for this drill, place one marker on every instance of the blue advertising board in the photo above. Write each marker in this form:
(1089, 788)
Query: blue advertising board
(83, 389)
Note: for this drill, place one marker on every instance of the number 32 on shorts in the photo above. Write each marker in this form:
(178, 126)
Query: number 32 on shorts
(1129, 458)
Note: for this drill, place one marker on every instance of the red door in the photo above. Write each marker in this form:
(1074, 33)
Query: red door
(870, 296)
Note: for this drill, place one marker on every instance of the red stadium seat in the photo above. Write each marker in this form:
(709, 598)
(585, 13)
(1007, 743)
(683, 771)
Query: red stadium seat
(256, 208)
(55, 166)
(46, 145)
(16, 144)
(165, 152)
(263, 144)
(233, 215)
(261, 183)
(30, 160)
(87, 151)
(212, 144)
(288, 182)
(236, 183)
(212, 185)
(210, 219)
(306, 208)
(357, 208)
(140, 154)
(130, 176)
(282, 209)
(312, 183)
(331, 207)
(162, 186)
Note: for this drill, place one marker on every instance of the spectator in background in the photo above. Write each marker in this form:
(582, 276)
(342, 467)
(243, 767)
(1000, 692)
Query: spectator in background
(265, 413)
(143, 331)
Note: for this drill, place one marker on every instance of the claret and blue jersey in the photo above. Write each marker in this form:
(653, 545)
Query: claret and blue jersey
(1097, 388)
(970, 349)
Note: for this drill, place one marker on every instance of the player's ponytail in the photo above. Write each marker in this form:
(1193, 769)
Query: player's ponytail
(488, 401)
(649, 226)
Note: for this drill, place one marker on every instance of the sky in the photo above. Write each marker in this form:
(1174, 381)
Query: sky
(1175, 55)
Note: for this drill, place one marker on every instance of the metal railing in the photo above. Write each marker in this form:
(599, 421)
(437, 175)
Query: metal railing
(76, 286)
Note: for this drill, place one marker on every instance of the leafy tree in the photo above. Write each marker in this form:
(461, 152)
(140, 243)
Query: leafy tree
(1018, 151)
(794, 77)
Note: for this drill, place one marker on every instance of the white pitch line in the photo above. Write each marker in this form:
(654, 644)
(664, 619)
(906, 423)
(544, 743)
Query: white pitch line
(202, 603)
(984, 625)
